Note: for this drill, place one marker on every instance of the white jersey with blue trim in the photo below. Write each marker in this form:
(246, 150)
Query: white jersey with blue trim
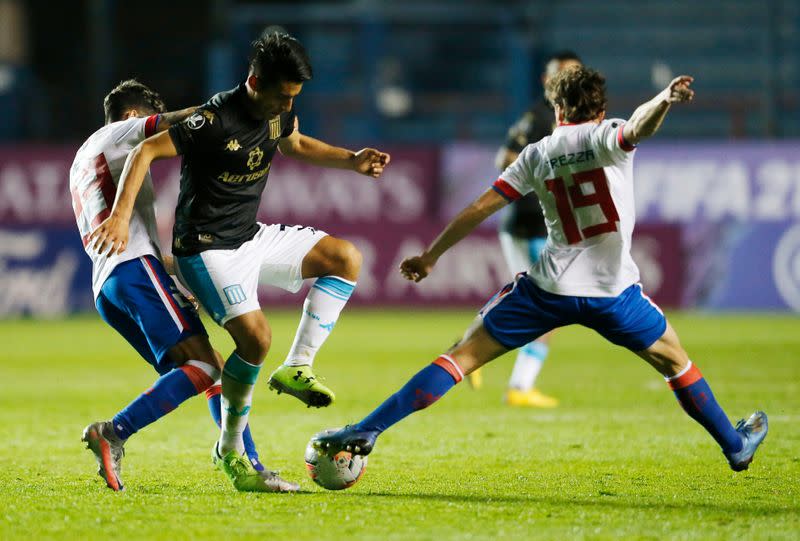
(93, 180)
(583, 176)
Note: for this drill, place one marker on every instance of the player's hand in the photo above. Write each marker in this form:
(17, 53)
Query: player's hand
(678, 90)
(416, 268)
(111, 236)
(370, 162)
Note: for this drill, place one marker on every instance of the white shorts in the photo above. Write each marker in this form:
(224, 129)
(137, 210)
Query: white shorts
(520, 253)
(226, 281)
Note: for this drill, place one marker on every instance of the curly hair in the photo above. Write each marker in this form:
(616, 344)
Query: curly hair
(579, 92)
(131, 94)
(277, 57)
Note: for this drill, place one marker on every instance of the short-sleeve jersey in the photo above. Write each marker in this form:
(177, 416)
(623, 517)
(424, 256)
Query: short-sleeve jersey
(93, 180)
(227, 154)
(524, 218)
(583, 176)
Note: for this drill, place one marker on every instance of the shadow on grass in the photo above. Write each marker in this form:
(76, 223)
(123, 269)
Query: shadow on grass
(602, 500)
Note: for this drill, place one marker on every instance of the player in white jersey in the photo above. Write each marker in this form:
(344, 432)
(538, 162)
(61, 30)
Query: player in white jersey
(583, 177)
(133, 291)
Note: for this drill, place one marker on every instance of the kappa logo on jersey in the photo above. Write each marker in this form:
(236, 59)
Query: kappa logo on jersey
(196, 121)
(235, 294)
(254, 158)
(233, 145)
(275, 128)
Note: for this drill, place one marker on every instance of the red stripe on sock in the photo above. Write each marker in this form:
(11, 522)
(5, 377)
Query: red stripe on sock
(691, 376)
(448, 365)
(213, 391)
(199, 379)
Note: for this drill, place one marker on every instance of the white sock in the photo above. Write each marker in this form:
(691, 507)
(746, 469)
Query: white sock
(321, 310)
(528, 365)
(238, 381)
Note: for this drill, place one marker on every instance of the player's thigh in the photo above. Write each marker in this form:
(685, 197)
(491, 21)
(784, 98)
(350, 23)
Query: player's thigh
(164, 315)
(225, 282)
(282, 250)
(666, 354)
(126, 326)
(630, 320)
(252, 335)
(522, 312)
(141, 301)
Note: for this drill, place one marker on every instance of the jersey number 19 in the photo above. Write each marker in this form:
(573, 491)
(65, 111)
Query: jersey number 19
(568, 199)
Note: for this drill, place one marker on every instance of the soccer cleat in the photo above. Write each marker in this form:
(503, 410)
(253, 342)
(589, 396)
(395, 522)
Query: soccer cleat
(300, 382)
(475, 379)
(244, 476)
(358, 442)
(533, 398)
(108, 451)
(753, 432)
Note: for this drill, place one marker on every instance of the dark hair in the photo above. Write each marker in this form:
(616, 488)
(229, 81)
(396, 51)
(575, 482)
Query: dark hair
(279, 57)
(563, 56)
(131, 94)
(579, 92)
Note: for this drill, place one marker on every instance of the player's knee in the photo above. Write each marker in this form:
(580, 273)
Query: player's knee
(258, 344)
(346, 260)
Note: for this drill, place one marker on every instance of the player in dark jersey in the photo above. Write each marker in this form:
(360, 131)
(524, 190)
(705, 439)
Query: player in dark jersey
(523, 235)
(222, 252)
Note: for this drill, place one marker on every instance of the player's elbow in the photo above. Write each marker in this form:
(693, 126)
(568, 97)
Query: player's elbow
(290, 148)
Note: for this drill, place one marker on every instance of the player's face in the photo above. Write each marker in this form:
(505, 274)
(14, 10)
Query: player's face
(276, 99)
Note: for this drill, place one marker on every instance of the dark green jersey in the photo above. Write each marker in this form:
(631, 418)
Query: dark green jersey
(524, 217)
(227, 154)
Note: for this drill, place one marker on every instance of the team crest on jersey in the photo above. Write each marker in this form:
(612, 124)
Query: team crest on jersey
(233, 145)
(275, 128)
(209, 116)
(254, 158)
(196, 121)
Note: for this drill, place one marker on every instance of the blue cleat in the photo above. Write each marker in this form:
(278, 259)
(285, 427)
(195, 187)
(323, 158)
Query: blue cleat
(349, 438)
(753, 432)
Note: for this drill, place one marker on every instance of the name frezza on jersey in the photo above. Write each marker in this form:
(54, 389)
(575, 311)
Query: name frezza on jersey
(583, 177)
(93, 180)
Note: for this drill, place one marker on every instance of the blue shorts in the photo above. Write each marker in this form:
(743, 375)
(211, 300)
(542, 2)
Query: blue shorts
(141, 302)
(522, 312)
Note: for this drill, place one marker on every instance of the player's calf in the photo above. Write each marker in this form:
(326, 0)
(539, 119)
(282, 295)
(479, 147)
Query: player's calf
(425, 388)
(695, 397)
(337, 263)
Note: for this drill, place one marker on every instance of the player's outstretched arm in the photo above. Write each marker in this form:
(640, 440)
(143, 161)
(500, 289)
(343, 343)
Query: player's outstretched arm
(112, 234)
(167, 120)
(417, 268)
(647, 118)
(367, 161)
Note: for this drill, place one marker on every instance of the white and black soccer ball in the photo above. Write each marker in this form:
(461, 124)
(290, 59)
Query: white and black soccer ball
(336, 472)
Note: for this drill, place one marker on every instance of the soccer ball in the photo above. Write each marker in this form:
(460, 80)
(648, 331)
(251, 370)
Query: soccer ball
(334, 472)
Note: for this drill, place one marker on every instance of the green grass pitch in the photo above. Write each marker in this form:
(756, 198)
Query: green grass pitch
(617, 460)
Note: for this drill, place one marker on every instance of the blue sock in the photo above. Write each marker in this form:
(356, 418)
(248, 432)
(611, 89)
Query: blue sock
(168, 392)
(698, 401)
(422, 390)
(214, 407)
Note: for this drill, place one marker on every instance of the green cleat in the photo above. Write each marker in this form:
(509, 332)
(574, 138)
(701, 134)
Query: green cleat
(244, 476)
(300, 382)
